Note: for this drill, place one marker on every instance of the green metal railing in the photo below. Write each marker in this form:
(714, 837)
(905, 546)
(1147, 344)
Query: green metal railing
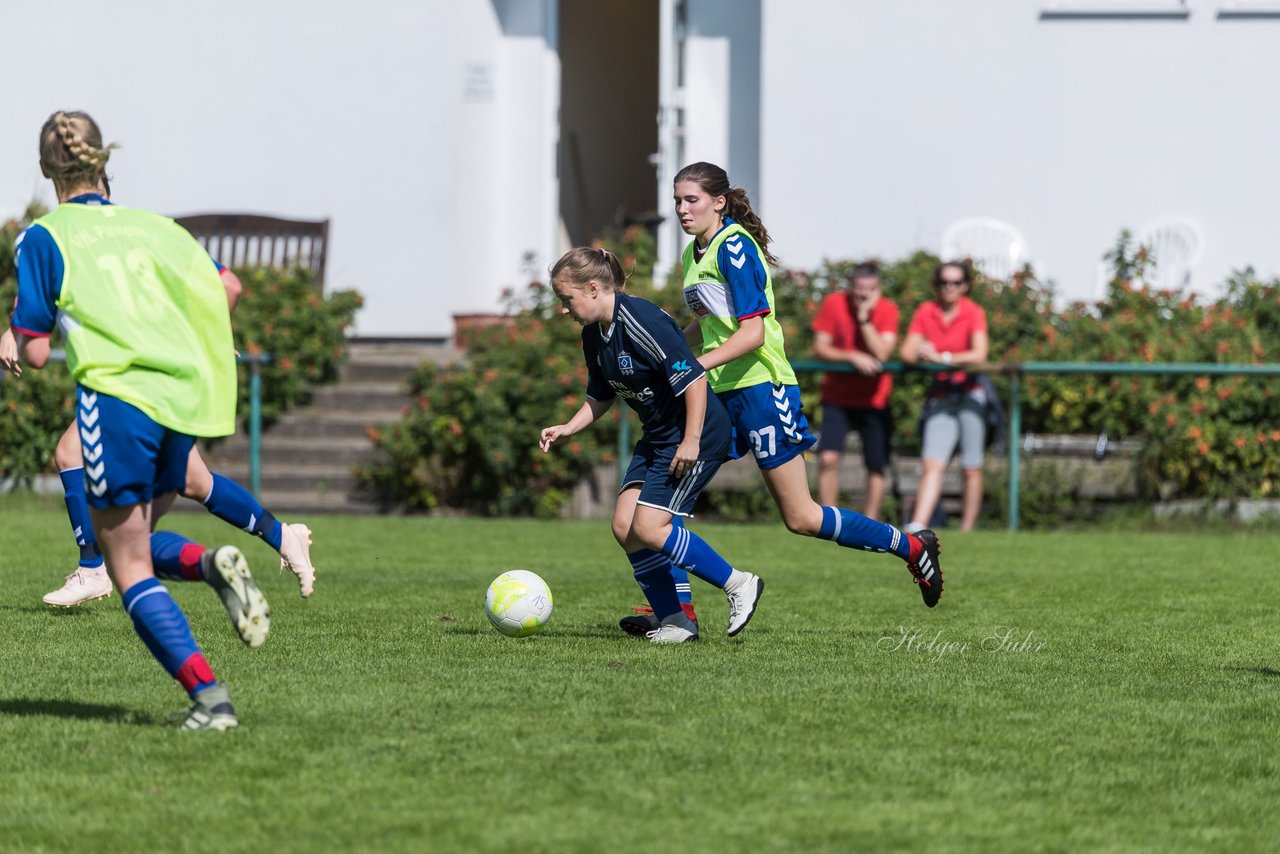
(255, 361)
(1015, 371)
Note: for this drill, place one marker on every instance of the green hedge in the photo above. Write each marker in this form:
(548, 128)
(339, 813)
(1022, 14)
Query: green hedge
(280, 312)
(469, 443)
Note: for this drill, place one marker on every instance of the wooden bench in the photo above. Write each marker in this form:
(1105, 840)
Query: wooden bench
(251, 240)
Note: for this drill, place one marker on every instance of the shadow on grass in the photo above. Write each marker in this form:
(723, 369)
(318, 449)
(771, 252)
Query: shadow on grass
(28, 708)
(57, 613)
(607, 632)
(1260, 671)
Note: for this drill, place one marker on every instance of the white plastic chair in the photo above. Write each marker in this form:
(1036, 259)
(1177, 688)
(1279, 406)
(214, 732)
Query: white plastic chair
(997, 248)
(1176, 247)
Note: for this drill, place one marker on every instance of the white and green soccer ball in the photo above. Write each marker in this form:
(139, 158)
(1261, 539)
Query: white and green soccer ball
(518, 603)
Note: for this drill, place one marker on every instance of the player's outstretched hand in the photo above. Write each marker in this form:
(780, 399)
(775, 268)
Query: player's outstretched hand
(551, 435)
(9, 359)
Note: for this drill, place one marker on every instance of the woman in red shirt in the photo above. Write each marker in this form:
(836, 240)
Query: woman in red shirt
(950, 330)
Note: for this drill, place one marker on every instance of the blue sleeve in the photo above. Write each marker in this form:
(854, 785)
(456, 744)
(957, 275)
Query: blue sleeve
(745, 273)
(598, 387)
(679, 365)
(40, 271)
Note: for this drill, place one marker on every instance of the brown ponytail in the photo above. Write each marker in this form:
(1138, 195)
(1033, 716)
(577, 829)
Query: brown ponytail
(715, 182)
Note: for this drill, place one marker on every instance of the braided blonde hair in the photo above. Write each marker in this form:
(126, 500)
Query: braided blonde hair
(71, 151)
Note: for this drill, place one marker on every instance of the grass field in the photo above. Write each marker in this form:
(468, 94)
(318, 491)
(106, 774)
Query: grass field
(1133, 706)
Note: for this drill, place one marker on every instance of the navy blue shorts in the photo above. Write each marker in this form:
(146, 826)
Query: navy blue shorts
(659, 488)
(769, 422)
(128, 458)
(874, 426)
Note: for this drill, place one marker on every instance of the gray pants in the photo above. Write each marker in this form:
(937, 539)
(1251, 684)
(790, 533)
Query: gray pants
(957, 419)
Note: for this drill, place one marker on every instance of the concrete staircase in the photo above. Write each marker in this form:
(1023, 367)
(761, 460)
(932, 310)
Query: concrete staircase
(309, 455)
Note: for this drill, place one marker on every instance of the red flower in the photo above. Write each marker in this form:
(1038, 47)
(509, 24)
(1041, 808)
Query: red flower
(1194, 433)
(1240, 441)
(1203, 448)
(1202, 383)
(1171, 420)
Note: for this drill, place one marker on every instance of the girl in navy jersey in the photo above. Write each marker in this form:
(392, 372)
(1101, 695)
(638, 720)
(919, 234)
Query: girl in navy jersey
(729, 289)
(635, 351)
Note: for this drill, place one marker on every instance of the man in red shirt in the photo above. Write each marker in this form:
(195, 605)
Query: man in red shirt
(859, 326)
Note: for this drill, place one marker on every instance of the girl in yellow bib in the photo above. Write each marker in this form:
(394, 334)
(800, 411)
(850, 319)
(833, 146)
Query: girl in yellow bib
(728, 287)
(146, 322)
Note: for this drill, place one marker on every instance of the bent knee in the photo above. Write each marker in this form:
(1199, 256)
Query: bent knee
(806, 522)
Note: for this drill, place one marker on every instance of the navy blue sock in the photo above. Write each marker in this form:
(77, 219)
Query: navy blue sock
(688, 550)
(78, 513)
(653, 573)
(232, 503)
(175, 557)
(855, 531)
(164, 629)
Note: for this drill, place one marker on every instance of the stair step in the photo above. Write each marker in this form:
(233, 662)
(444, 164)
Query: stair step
(301, 450)
(299, 502)
(308, 423)
(363, 397)
(320, 478)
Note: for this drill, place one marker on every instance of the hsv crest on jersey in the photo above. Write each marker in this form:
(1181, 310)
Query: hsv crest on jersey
(625, 365)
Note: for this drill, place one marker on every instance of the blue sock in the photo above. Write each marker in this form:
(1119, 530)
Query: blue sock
(683, 589)
(232, 503)
(78, 513)
(164, 629)
(175, 557)
(688, 550)
(653, 573)
(855, 531)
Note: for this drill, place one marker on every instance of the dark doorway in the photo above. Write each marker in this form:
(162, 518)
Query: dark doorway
(608, 115)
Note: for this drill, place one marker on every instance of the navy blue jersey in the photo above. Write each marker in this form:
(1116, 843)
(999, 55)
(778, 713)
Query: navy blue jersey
(645, 360)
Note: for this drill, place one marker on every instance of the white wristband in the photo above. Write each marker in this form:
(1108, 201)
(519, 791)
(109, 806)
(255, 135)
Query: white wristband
(946, 358)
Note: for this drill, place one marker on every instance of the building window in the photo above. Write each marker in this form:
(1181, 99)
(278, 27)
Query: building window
(1173, 10)
(1246, 9)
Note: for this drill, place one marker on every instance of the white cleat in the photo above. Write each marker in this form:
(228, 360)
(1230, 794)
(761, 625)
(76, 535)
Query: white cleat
(742, 602)
(674, 629)
(83, 585)
(227, 572)
(295, 556)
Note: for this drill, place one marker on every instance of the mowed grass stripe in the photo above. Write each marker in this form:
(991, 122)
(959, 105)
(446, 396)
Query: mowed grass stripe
(1131, 708)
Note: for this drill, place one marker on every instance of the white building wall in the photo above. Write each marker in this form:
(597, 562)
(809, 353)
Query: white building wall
(423, 128)
(884, 121)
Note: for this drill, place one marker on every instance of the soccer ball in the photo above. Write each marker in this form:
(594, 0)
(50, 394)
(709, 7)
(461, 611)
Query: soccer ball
(518, 603)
